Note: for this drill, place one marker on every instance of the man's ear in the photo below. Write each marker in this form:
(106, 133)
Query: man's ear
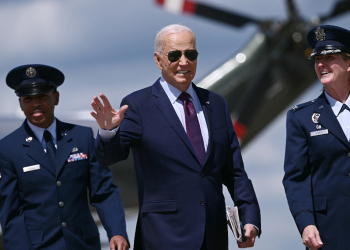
(57, 98)
(20, 104)
(157, 59)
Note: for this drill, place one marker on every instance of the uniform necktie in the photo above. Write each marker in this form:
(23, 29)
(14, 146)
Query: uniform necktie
(50, 147)
(192, 127)
(343, 108)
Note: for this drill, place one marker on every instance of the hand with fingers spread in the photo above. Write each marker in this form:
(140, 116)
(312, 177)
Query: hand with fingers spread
(250, 233)
(311, 238)
(106, 116)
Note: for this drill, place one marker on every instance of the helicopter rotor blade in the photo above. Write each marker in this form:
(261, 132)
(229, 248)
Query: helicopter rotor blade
(207, 11)
(292, 10)
(340, 8)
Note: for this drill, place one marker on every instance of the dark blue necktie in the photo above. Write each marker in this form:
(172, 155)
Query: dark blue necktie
(192, 127)
(343, 108)
(50, 147)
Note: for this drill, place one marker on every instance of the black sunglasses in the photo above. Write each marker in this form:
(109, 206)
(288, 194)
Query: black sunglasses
(175, 55)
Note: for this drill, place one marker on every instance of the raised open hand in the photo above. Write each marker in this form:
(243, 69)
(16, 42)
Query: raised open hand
(106, 116)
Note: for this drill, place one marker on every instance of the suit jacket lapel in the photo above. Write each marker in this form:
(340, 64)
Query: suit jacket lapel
(63, 147)
(35, 149)
(328, 120)
(164, 105)
(206, 107)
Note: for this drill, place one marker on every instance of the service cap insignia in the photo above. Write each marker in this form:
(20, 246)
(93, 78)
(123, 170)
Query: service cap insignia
(31, 72)
(315, 117)
(320, 35)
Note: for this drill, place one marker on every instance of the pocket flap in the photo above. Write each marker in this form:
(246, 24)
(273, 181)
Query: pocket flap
(158, 206)
(36, 236)
(89, 230)
(320, 203)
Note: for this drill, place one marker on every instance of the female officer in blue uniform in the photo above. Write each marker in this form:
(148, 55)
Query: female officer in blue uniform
(317, 157)
(46, 168)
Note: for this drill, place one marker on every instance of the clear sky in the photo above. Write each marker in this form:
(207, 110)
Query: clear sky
(107, 47)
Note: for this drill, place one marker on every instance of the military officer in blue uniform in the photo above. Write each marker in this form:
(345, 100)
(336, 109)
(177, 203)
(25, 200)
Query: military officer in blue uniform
(49, 171)
(317, 157)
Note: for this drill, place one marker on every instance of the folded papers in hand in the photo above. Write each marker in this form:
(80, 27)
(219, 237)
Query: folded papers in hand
(235, 224)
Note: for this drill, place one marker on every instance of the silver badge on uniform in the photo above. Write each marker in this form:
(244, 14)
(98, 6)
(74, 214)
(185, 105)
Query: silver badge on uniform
(63, 134)
(74, 150)
(31, 72)
(318, 126)
(29, 139)
(319, 132)
(320, 35)
(315, 117)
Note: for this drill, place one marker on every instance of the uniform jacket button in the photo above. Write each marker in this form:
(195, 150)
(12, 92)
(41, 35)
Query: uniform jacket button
(61, 204)
(202, 203)
(202, 174)
(64, 224)
(58, 183)
(349, 154)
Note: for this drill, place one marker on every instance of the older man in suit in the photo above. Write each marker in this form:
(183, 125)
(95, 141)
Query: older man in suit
(46, 168)
(184, 148)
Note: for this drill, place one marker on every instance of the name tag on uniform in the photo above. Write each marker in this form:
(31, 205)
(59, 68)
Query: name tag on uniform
(31, 168)
(319, 132)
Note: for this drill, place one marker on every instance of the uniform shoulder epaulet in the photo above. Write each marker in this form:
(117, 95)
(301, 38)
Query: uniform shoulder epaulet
(303, 105)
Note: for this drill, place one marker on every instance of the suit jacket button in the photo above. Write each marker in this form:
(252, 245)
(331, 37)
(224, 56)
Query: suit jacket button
(202, 174)
(202, 203)
(64, 224)
(58, 183)
(61, 204)
(349, 154)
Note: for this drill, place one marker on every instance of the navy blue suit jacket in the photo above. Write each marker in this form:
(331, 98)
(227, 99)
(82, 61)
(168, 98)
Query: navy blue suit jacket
(31, 217)
(317, 173)
(180, 201)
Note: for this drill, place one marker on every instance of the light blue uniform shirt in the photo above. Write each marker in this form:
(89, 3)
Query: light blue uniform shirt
(343, 117)
(39, 133)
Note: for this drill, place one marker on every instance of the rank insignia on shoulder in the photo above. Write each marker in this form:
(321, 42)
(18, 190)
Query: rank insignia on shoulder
(295, 107)
(315, 117)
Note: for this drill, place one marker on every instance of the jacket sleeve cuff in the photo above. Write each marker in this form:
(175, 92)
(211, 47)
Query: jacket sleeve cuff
(303, 220)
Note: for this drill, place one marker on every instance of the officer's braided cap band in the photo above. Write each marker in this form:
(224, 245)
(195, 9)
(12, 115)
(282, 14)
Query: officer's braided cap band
(330, 39)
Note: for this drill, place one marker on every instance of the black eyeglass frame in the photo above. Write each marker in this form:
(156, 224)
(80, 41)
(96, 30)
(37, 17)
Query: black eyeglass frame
(175, 57)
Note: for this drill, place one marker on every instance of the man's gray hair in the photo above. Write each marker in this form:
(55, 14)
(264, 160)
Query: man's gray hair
(171, 29)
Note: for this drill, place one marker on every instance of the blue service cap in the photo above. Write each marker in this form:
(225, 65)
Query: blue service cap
(328, 39)
(34, 79)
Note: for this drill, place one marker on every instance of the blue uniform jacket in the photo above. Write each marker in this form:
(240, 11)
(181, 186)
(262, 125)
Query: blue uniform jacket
(317, 172)
(180, 201)
(48, 208)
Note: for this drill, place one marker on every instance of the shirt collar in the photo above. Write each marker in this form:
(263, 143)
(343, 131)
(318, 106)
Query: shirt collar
(173, 93)
(336, 105)
(39, 132)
